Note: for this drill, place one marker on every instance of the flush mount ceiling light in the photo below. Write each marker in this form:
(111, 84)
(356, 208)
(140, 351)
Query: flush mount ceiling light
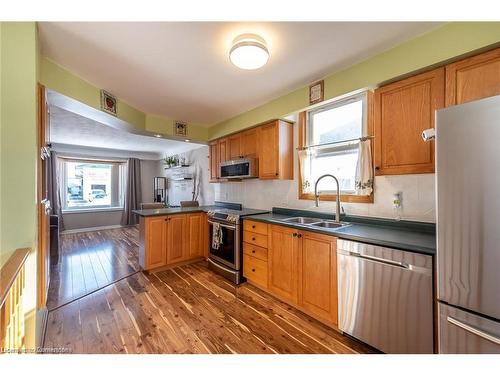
(249, 52)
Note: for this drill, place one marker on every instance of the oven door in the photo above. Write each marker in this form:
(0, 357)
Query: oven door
(228, 252)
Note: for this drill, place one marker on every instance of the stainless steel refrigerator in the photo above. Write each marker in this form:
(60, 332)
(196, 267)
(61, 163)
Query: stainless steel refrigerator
(468, 227)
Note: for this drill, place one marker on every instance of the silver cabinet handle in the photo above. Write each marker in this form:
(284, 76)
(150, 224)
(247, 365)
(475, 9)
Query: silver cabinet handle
(474, 331)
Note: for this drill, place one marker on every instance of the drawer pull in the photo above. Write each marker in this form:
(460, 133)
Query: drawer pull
(253, 226)
(253, 238)
(253, 251)
(253, 269)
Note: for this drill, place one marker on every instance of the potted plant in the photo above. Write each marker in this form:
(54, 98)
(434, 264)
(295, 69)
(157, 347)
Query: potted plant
(171, 161)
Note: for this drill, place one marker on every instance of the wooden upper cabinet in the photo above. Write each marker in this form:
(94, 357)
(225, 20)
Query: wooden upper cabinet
(177, 239)
(223, 150)
(318, 276)
(234, 146)
(195, 233)
(402, 110)
(248, 145)
(213, 155)
(283, 262)
(473, 78)
(275, 145)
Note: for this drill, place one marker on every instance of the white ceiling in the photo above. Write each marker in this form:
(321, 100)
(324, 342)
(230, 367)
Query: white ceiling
(69, 128)
(181, 70)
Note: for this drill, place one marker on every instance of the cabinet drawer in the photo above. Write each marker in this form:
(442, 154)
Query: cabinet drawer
(255, 238)
(255, 251)
(255, 270)
(255, 226)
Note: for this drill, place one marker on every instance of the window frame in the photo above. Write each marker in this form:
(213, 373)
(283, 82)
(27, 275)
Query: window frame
(305, 131)
(96, 208)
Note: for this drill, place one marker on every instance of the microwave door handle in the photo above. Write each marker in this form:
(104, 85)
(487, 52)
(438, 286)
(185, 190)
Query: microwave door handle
(473, 330)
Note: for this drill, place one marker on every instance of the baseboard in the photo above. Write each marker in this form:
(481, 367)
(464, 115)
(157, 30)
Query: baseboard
(92, 229)
(42, 321)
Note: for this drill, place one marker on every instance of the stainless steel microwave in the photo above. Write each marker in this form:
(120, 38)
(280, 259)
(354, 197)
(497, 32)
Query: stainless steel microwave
(238, 168)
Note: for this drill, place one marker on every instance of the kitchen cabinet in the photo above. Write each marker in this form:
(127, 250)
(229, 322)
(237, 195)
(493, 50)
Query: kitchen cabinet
(234, 146)
(248, 143)
(402, 110)
(213, 156)
(275, 150)
(223, 150)
(474, 78)
(297, 266)
(176, 239)
(153, 239)
(318, 276)
(196, 235)
(283, 263)
(166, 240)
(255, 265)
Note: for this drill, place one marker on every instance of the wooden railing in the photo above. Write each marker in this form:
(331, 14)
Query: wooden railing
(12, 282)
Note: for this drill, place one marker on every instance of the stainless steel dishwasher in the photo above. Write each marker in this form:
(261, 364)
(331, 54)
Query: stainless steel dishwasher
(385, 297)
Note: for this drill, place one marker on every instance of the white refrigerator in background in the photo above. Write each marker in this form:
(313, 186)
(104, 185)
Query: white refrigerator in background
(468, 227)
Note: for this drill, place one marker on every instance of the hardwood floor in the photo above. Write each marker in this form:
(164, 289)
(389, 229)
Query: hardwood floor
(188, 309)
(92, 260)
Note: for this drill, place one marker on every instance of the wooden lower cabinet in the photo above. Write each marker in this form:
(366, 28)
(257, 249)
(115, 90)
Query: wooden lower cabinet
(176, 239)
(166, 240)
(283, 262)
(301, 269)
(196, 235)
(152, 242)
(318, 275)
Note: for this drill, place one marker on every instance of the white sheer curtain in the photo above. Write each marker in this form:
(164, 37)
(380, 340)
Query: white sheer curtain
(305, 171)
(364, 169)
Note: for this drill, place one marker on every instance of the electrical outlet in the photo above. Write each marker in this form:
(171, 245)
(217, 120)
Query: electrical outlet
(397, 200)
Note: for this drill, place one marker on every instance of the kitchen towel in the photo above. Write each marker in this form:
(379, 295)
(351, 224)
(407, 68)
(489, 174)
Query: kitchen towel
(216, 236)
(364, 168)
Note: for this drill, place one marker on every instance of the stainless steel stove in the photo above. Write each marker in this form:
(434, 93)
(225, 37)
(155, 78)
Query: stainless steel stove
(225, 250)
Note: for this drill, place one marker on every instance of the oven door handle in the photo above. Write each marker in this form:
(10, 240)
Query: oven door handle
(222, 225)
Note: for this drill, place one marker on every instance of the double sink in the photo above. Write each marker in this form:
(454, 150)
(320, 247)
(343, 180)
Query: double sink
(315, 222)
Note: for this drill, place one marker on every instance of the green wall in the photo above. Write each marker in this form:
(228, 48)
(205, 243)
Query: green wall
(446, 42)
(18, 150)
(59, 79)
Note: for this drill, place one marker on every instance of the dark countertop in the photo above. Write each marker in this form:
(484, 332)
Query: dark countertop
(404, 235)
(172, 211)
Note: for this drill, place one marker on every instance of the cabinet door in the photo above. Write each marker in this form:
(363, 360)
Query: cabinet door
(248, 143)
(176, 239)
(234, 147)
(474, 78)
(268, 142)
(195, 232)
(402, 111)
(318, 276)
(223, 150)
(214, 161)
(156, 237)
(283, 262)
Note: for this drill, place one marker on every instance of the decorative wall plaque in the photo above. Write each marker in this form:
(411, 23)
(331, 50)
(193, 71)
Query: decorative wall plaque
(108, 103)
(316, 92)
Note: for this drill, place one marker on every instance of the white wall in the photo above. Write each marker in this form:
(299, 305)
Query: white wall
(149, 169)
(182, 190)
(418, 195)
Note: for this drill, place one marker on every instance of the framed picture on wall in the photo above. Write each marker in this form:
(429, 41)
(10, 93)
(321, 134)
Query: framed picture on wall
(316, 92)
(180, 128)
(108, 103)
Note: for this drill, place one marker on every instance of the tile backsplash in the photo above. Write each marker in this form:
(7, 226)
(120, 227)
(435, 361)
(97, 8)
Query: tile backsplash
(418, 198)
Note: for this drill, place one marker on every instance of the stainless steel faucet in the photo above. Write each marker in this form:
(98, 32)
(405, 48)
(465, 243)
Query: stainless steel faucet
(316, 195)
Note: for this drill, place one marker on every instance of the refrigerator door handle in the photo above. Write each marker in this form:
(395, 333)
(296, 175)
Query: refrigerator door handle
(473, 330)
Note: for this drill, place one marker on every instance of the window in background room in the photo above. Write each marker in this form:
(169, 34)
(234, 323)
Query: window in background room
(92, 184)
(334, 130)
